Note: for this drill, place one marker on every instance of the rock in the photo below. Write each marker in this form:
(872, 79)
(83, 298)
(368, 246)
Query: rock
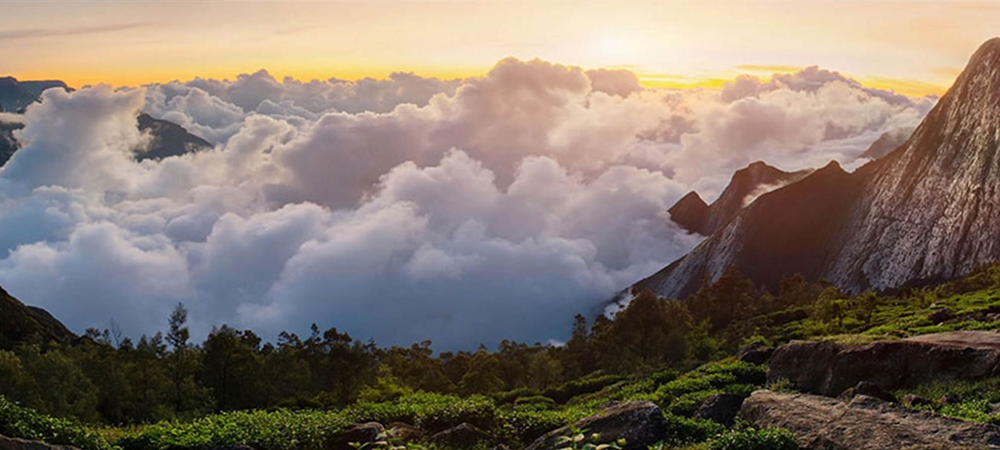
(828, 369)
(404, 432)
(949, 399)
(641, 424)
(756, 352)
(941, 315)
(721, 408)
(866, 423)
(7, 443)
(359, 433)
(462, 436)
(914, 400)
(869, 389)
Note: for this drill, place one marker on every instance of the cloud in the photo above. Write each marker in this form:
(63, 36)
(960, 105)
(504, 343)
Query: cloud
(28, 33)
(402, 209)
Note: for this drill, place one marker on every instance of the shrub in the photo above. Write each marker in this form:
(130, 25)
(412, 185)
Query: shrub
(683, 430)
(24, 423)
(262, 430)
(754, 439)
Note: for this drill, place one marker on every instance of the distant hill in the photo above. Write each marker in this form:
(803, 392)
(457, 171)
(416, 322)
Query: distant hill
(20, 323)
(169, 139)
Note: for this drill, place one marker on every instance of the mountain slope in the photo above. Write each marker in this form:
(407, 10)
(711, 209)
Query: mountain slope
(747, 184)
(20, 323)
(929, 210)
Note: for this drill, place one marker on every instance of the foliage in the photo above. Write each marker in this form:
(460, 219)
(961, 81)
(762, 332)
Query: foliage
(24, 423)
(262, 430)
(755, 439)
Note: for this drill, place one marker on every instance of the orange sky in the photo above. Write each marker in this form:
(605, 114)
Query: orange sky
(914, 47)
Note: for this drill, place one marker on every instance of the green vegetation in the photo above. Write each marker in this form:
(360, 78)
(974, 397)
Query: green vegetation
(105, 391)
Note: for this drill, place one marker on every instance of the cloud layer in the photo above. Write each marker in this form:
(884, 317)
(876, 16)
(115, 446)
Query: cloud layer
(405, 209)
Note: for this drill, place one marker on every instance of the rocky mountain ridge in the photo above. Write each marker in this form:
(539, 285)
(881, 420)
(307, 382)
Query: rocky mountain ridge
(748, 183)
(927, 211)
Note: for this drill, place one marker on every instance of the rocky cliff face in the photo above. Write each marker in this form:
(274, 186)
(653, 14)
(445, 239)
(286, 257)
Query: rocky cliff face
(929, 210)
(748, 183)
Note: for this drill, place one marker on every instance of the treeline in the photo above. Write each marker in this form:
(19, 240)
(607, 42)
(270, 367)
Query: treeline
(106, 378)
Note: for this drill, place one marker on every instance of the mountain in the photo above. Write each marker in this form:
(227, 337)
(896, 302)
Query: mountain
(887, 142)
(16, 95)
(20, 323)
(692, 214)
(168, 138)
(928, 211)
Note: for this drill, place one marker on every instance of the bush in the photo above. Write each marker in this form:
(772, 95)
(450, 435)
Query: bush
(431, 412)
(535, 402)
(754, 439)
(262, 430)
(24, 423)
(683, 430)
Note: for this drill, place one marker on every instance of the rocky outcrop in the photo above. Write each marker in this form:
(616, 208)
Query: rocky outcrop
(748, 183)
(641, 424)
(927, 211)
(461, 436)
(7, 443)
(829, 369)
(691, 213)
(865, 423)
(721, 408)
(369, 433)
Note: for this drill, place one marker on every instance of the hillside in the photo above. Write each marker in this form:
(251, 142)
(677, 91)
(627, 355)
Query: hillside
(20, 323)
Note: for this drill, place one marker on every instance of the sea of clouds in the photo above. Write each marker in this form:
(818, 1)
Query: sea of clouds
(461, 211)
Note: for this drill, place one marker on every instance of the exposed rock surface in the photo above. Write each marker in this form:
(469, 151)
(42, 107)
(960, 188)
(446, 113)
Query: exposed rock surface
(755, 352)
(7, 443)
(359, 433)
(462, 436)
(748, 183)
(828, 369)
(925, 212)
(865, 423)
(641, 424)
(721, 408)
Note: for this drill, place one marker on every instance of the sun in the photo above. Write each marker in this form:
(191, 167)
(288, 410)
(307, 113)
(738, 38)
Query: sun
(615, 47)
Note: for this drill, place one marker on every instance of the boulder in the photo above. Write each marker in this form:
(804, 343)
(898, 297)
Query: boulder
(462, 436)
(755, 352)
(404, 432)
(641, 424)
(914, 400)
(359, 433)
(7, 443)
(828, 369)
(721, 408)
(865, 423)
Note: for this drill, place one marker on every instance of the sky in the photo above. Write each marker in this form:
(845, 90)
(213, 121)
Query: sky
(521, 174)
(913, 47)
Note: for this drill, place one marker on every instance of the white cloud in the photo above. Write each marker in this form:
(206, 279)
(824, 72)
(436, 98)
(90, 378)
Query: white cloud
(401, 209)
